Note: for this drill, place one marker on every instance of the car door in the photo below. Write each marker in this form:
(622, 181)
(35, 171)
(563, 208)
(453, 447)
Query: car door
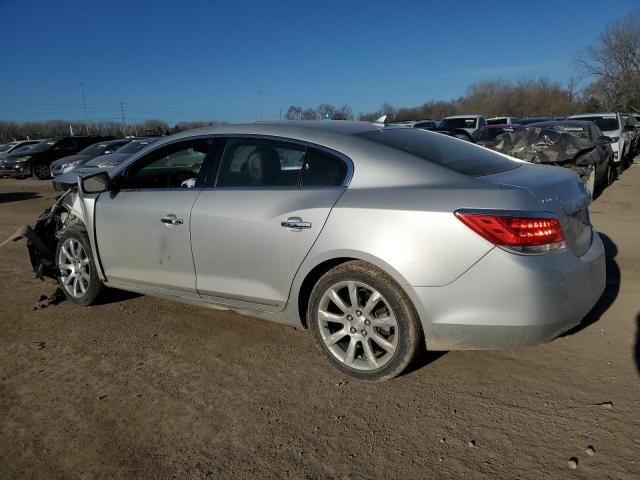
(142, 229)
(253, 228)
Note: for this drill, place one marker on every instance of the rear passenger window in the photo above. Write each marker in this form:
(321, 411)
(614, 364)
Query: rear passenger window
(260, 163)
(322, 169)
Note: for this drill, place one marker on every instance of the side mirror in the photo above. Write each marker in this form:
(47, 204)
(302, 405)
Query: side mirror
(98, 183)
(603, 140)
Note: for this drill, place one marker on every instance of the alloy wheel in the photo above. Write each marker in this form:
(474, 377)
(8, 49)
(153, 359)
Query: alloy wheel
(357, 325)
(73, 264)
(41, 171)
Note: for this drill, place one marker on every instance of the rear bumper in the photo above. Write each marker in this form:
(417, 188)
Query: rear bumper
(508, 300)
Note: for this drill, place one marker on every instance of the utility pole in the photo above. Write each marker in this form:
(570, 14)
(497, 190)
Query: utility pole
(86, 118)
(260, 98)
(280, 114)
(124, 125)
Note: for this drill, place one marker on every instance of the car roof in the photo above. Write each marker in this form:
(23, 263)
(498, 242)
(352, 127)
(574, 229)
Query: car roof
(464, 116)
(582, 115)
(551, 123)
(502, 125)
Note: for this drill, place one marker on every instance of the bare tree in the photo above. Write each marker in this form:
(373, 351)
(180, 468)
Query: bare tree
(293, 113)
(615, 64)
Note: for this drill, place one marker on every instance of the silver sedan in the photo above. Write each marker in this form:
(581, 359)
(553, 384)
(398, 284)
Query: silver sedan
(378, 239)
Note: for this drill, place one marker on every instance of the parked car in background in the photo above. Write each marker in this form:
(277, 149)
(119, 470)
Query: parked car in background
(574, 144)
(634, 135)
(503, 121)
(37, 160)
(116, 158)
(613, 126)
(486, 136)
(67, 164)
(304, 223)
(470, 123)
(18, 145)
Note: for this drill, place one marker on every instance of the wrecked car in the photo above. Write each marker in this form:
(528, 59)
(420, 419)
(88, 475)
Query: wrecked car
(578, 145)
(305, 224)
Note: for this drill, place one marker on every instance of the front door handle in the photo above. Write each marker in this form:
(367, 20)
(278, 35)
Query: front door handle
(171, 219)
(295, 224)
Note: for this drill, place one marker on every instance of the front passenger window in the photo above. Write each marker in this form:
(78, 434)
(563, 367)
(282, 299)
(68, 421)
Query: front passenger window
(174, 166)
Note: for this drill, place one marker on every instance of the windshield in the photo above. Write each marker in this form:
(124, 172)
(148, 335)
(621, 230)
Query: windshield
(606, 124)
(4, 148)
(43, 145)
(497, 121)
(460, 156)
(22, 149)
(135, 146)
(99, 148)
(470, 122)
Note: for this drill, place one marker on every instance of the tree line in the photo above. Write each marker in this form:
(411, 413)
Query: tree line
(10, 130)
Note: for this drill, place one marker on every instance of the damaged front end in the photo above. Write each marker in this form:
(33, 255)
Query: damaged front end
(42, 237)
(557, 145)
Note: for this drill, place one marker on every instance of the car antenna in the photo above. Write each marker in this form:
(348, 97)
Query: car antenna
(381, 121)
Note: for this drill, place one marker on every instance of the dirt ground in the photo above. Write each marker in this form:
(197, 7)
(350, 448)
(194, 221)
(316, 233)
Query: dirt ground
(146, 388)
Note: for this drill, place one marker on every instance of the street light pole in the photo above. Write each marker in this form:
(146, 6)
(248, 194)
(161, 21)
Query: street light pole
(124, 127)
(260, 98)
(86, 118)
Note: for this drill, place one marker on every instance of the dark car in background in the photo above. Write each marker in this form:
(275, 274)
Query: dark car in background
(574, 144)
(67, 164)
(487, 135)
(37, 160)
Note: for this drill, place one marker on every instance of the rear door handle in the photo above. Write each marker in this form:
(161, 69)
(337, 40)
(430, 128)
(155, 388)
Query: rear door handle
(295, 224)
(171, 219)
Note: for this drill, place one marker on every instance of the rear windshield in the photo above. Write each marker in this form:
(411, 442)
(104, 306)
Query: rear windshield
(489, 133)
(470, 122)
(497, 121)
(458, 155)
(606, 124)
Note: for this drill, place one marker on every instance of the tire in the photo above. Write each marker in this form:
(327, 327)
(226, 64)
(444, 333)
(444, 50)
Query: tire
(40, 170)
(78, 275)
(350, 341)
(612, 174)
(590, 182)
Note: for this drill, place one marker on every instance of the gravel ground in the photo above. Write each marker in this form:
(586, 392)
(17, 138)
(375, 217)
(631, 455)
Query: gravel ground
(145, 388)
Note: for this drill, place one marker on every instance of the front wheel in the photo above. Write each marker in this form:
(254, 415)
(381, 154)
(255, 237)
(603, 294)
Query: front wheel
(77, 273)
(40, 171)
(363, 322)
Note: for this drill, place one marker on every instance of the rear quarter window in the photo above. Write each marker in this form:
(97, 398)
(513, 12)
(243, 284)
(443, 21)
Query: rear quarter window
(457, 155)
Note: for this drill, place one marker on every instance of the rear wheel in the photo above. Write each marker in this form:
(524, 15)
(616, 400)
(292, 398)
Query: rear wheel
(77, 273)
(363, 322)
(40, 171)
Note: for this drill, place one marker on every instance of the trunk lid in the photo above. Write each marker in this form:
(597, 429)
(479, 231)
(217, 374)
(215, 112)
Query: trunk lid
(560, 191)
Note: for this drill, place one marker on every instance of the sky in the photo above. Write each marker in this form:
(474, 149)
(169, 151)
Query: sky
(243, 60)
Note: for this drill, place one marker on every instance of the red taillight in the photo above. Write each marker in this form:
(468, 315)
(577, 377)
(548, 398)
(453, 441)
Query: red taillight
(514, 231)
